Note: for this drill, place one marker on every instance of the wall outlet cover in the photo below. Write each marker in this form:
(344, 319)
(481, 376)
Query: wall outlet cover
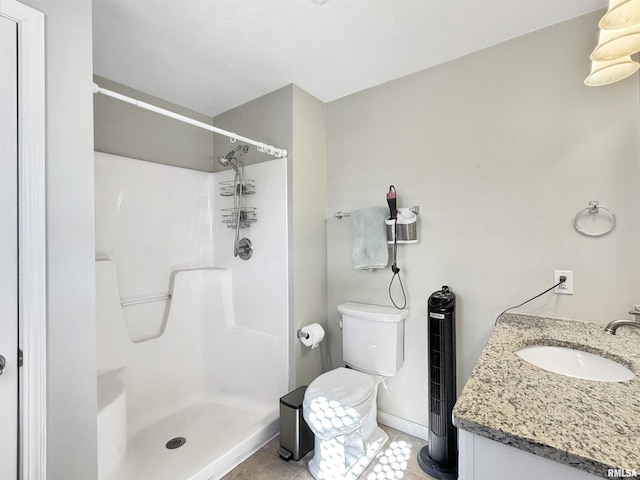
(567, 287)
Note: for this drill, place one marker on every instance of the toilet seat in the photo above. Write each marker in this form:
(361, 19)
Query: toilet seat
(347, 386)
(339, 401)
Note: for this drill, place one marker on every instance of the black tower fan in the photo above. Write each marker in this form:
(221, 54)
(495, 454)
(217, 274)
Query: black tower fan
(440, 457)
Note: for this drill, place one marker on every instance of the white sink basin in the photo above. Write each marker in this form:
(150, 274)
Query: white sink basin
(575, 363)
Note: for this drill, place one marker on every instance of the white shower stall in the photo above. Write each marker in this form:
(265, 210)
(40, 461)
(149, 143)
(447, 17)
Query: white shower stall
(192, 342)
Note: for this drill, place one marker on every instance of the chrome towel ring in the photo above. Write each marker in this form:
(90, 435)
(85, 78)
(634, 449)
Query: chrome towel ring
(593, 209)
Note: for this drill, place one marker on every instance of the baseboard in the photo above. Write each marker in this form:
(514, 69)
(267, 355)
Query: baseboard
(403, 425)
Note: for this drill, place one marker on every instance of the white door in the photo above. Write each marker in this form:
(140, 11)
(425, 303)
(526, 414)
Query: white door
(8, 250)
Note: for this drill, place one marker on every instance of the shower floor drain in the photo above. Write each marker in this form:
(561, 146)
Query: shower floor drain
(176, 442)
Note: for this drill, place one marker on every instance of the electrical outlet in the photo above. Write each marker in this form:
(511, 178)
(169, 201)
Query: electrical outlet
(567, 287)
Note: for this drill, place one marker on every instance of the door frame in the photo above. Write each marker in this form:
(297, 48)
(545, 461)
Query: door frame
(32, 293)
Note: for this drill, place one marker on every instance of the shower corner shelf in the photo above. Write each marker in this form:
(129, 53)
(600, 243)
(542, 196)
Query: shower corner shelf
(230, 188)
(247, 216)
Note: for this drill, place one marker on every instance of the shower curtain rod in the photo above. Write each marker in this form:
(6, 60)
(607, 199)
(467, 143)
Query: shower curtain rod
(262, 147)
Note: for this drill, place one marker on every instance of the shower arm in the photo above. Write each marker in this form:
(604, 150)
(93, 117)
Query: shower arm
(262, 147)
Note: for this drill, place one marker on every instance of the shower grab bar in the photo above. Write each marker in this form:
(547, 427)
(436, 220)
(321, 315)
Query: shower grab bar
(340, 214)
(139, 300)
(233, 137)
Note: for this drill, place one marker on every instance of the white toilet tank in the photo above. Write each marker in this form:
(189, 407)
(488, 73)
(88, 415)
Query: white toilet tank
(373, 337)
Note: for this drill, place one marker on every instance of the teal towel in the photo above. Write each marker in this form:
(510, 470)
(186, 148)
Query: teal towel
(369, 236)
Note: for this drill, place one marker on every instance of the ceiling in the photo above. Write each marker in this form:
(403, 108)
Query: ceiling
(213, 55)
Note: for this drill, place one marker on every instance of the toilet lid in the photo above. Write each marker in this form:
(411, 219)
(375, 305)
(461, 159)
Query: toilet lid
(347, 386)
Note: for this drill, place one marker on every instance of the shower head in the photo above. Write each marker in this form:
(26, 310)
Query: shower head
(234, 154)
(225, 162)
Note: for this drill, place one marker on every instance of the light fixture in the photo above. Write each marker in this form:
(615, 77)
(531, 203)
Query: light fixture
(621, 14)
(619, 39)
(604, 73)
(614, 44)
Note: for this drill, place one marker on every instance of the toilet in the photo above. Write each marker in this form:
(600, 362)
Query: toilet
(340, 406)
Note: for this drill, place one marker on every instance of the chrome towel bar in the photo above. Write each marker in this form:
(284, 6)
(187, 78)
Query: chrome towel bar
(340, 214)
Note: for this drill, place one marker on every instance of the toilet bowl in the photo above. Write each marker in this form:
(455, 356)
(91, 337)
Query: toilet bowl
(340, 406)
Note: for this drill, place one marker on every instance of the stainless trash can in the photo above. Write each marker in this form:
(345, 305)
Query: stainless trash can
(296, 438)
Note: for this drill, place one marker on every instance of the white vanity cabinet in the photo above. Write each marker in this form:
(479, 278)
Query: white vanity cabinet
(482, 459)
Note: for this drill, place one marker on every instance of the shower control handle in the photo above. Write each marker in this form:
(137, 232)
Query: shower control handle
(2, 364)
(245, 249)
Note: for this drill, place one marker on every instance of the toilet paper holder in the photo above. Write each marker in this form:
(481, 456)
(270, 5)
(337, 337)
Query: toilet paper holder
(311, 335)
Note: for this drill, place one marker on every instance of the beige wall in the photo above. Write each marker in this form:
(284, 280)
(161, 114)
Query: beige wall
(309, 183)
(291, 118)
(71, 348)
(500, 148)
(266, 119)
(130, 131)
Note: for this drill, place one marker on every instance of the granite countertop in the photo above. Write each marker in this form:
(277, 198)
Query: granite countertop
(589, 425)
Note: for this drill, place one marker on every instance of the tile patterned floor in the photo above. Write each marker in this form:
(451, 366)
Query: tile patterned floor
(265, 464)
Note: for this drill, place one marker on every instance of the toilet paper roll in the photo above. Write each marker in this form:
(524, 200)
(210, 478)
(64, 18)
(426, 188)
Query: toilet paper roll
(311, 335)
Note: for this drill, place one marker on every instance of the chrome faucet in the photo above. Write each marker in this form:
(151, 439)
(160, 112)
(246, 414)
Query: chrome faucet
(616, 324)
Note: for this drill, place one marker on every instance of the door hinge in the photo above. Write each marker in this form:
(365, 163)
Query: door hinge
(19, 357)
